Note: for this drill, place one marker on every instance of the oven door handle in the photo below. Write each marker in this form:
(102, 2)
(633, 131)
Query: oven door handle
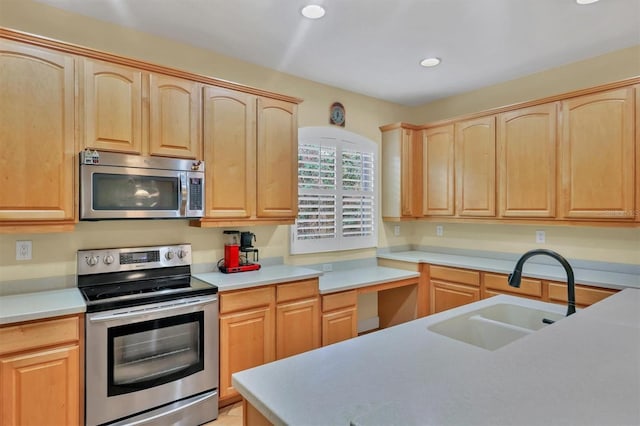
(138, 311)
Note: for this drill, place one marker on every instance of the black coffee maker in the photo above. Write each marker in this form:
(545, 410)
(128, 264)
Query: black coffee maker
(246, 245)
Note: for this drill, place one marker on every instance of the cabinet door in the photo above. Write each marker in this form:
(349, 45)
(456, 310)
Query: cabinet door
(585, 295)
(339, 325)
(37, 143)
(246, 340)
(475, 167)
(598, 156)
(229, 153)
(41, 387)
(446, 295)
(277, 159)
(411, 173)
(297, 327)
(174, 117)
(438, 171)
(112, 107)
(527, 159)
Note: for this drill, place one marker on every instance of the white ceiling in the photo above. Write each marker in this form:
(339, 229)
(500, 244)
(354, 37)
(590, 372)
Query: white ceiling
(373, 47)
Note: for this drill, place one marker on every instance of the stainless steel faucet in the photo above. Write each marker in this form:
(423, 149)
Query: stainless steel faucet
(516, 276)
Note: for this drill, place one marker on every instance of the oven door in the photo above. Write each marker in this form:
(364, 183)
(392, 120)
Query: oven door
(108, 192)
(147, 356)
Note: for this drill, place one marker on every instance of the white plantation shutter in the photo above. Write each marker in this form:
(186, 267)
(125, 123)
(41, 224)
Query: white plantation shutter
(336, 191)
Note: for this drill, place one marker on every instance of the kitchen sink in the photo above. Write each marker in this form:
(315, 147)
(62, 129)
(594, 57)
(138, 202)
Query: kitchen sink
(494, 326)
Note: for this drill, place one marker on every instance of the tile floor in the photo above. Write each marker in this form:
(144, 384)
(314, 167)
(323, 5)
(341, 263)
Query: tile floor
(230, 415)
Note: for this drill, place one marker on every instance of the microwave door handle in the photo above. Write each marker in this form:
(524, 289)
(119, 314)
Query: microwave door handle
(183, 194)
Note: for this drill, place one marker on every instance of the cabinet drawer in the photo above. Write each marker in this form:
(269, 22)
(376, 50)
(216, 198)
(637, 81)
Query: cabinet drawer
(456, 275)
(246, 299)
(39, 334)
(585, 296)
(296, 290)
(528, 286)
(335, 301)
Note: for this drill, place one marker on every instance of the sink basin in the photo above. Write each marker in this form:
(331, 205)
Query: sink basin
(494, 326)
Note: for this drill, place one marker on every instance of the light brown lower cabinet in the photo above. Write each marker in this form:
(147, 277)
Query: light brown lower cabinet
(297, 318)
(262, 324)
(452, 287)
(40, 377)
(494, 284)
(339, 317)
(585, 295)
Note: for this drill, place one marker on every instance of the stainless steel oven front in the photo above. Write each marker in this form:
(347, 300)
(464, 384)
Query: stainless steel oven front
(155, 355)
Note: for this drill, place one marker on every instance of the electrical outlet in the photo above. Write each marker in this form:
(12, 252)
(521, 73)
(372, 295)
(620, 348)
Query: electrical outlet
(439, 231)
(540, 237)
(396, 230)
(23, 250)
(327, 267)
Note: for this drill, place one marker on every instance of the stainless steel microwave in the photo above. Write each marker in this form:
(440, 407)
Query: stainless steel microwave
(124, 186)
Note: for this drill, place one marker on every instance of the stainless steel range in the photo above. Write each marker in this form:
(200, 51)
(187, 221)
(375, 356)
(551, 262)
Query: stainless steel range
(151, 338)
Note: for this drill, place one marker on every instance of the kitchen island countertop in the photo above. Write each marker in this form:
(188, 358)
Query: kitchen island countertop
(584, 369)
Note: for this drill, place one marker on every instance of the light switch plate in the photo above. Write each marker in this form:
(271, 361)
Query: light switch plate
(439, 231)
(396, 230)
(23, 250)
(327, 267)
(540, 237)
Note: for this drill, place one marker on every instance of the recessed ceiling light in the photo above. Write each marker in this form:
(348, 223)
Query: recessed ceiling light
(586, 1)
(313, 11)
(430, 62)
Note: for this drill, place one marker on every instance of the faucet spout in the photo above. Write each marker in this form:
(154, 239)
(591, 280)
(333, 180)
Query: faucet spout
(516, 276)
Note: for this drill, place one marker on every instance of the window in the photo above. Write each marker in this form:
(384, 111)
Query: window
(337, 191)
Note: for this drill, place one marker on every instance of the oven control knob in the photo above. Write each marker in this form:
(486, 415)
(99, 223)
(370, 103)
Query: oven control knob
(169, 255)
(182, 253)
(108, 259)
(92, 260)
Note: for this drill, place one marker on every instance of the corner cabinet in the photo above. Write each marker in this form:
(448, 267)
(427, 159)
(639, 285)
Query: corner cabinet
(597, 156)
(37, 147)
(40, 376)
(401, 172)
(251, 157)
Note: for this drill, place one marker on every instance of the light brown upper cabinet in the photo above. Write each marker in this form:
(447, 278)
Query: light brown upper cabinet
(438, 171)
(277, 159)
(112, 107)
(118, 117)
(476, 167)
(527, 161)
(401, 173)
(229, 155)
(174, 117)
(37, 146)
(251, 157)
(597, 156)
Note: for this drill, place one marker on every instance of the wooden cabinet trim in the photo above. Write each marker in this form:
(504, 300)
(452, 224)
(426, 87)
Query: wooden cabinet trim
(297, 290)
(147, 66)
(464, 276)
(528, 286)
(344, 299)
(246, 299)
(38, 334)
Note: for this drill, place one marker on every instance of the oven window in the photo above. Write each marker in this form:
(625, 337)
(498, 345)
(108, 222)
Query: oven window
(135, 192)
(147, 354)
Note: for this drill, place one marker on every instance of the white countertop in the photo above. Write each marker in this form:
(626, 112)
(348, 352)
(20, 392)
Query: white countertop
(584, 369)
(264, 276)
(604, 279)
(331, 282)
(40, 305)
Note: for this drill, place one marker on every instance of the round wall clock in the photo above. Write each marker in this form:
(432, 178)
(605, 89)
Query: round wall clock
(336, 114)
